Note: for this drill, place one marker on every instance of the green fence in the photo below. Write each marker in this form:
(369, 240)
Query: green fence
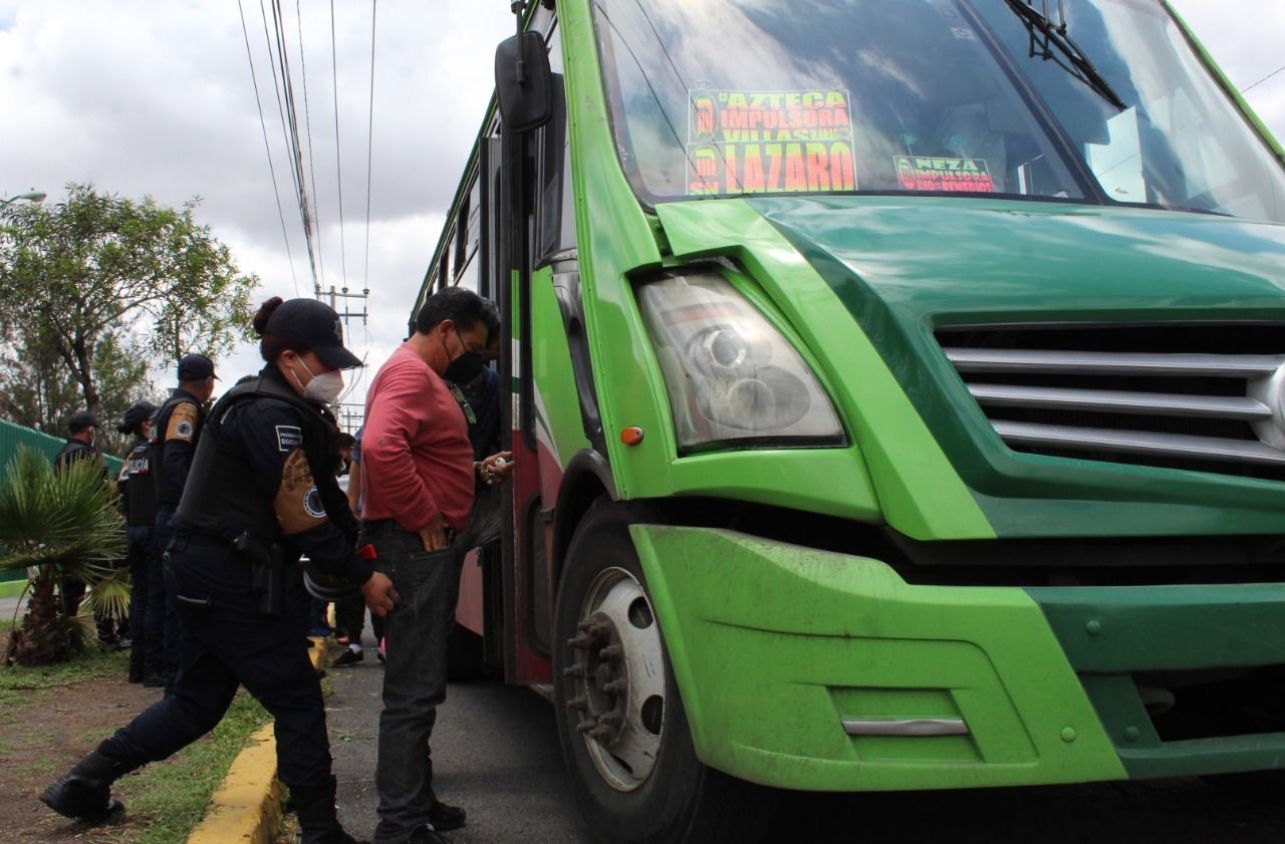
(13, 436)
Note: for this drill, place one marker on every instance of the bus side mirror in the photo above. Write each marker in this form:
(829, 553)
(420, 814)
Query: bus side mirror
(523, 83)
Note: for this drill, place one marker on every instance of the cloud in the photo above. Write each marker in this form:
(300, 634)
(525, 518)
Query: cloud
(145, 98)
(1244, 37)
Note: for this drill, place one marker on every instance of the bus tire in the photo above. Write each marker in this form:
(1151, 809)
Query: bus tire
(628, 748)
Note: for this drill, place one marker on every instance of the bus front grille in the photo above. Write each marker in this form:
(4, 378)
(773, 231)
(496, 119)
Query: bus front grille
(1203, 397)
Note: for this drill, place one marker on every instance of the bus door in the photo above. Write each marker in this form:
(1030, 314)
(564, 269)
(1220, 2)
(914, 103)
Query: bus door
(534, 251)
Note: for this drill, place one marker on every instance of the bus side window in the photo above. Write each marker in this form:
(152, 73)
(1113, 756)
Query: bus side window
(468, 237)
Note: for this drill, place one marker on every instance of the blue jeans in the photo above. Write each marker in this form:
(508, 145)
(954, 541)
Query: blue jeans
(414, 674)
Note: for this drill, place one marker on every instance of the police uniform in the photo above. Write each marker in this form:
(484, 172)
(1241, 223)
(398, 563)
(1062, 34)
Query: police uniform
(138, 500)
(73, 451)
(72, 589)
(261, 492)
(176, 430)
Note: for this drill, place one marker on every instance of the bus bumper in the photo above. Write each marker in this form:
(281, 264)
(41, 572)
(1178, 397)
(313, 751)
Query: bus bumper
(805, 669)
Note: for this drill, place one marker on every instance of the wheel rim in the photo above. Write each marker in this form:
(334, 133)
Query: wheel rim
(616, 679)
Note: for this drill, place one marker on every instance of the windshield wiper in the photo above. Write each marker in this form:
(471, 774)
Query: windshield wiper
(1047, 36)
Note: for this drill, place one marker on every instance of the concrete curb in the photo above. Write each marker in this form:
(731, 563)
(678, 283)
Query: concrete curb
(247, 805)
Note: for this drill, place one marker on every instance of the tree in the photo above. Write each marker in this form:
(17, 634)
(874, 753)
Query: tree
(62, 524)
(38, 391)
(95, 266)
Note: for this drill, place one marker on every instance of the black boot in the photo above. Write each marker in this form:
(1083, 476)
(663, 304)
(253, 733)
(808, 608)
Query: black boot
(317, 820)
(85, 792)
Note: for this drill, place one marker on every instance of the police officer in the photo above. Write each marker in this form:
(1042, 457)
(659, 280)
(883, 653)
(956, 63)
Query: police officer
(262, 489)
(176, 432)
(138, 500)
(82, 428)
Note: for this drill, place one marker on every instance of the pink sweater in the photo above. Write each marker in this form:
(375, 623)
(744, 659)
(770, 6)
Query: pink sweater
(415, 452)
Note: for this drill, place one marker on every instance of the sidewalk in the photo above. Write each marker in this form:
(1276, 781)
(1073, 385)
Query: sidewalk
(495, 752)
(7, 608)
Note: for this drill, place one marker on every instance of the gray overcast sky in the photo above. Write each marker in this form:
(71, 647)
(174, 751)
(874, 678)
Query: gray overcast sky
(143, 97)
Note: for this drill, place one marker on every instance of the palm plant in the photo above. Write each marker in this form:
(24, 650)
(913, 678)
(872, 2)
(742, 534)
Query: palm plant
(58, 525)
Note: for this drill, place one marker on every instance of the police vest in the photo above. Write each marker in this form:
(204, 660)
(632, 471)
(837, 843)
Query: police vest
(164, 491)
(71, 451)
(217, 500)
(137, 485)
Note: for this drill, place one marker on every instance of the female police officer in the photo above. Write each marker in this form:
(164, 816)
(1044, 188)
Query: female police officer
(261, 491)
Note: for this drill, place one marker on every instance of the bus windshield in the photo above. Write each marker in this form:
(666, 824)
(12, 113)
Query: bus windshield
(1102, 101)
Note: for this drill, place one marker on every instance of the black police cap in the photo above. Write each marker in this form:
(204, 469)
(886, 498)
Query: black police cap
(315, 324)
(195, 368)
(80, 420)
(138, 412)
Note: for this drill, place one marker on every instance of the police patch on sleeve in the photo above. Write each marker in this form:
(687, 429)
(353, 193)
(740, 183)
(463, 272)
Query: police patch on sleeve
(289, 437)
(182, 426)
(298, 503)
(312, 504)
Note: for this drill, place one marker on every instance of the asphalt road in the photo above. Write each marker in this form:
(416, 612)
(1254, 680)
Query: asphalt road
(495, 752)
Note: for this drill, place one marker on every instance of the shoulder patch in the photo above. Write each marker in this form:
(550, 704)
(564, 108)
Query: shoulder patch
(289, 437)
(182, 426)
(298, 503)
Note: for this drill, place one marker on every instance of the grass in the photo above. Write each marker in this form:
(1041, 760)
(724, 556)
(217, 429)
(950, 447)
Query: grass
(23, 685)
(173, 795)
(12, 588)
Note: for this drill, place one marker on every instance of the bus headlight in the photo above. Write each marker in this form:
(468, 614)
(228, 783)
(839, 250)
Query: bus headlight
(730, 374)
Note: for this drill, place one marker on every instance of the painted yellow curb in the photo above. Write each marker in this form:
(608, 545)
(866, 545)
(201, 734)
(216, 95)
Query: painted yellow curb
(247, 805)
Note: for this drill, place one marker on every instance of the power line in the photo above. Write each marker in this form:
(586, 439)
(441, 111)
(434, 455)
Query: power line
(1264, 79)
(312, 170)
(334, 67)
(277, 82)
(293, 148)
(370, 138)
(276, 192)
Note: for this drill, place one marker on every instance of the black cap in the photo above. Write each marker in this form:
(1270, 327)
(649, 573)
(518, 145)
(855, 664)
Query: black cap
(138, 412)
(80, 420)
(315, 324)
(195, 368)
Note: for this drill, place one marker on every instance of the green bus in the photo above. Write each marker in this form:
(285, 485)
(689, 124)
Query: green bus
(897, 394)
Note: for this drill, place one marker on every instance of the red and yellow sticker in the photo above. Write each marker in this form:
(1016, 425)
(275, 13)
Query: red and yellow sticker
(770, 142)
(951, 175)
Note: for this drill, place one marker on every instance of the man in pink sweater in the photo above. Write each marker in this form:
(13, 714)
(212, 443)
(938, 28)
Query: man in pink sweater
(418, 477)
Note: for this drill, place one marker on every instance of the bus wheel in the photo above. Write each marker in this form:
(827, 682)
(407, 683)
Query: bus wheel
(622, 726)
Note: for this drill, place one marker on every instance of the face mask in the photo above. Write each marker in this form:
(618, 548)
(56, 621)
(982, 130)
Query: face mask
(466, 367)
(325, 388)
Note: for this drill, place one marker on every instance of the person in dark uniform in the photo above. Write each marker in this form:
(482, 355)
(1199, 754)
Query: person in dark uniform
(176, 432)
(261, 491)
(138, 500)
(82, 428)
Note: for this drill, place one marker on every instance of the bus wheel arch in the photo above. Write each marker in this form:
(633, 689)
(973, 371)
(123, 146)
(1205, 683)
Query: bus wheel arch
(587, 480)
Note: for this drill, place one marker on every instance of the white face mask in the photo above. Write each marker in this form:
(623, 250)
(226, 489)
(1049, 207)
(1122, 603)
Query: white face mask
(325, 388)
